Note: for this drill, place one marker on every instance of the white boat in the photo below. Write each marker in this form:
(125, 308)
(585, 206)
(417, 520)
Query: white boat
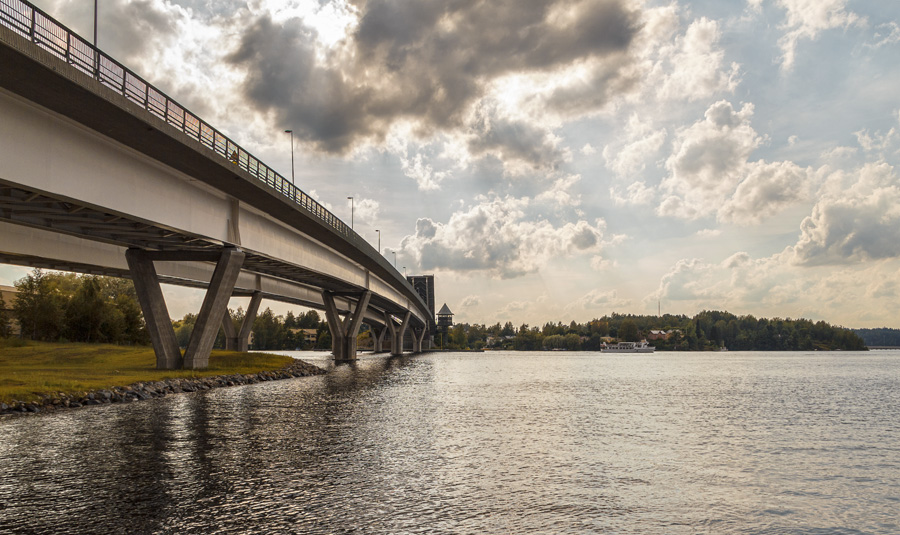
(628, 347)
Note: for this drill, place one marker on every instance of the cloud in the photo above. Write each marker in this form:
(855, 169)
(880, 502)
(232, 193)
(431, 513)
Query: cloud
(641, 142)
(635, 193)
(776, 286)
(711, 174)
(430, 63)
(806, 19)
(470, 301)
(767, 188)
(366, 210)
(707, 161)
(692, 67)
(854, 224)
(600, 300)
(499, 237)
(879, 144)
(886, 34)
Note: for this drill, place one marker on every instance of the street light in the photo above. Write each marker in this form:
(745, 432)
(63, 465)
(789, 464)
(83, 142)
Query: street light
(404, 271)
(291, 132)
(395, 259)
(351, 212)
(379, 240)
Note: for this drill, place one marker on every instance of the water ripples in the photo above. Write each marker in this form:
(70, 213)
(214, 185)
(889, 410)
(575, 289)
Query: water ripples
(481, 443)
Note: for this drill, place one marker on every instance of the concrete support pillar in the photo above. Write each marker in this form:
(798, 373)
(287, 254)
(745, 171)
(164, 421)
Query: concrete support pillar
(418, 335)
(231, 333)
(153, 305)
(240, 341)
(215, 304)
(343, 332)
(249, 317)
(379, 338)
(397, 333)
(391, 327)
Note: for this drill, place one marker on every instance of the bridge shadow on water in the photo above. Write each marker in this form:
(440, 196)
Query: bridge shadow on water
(281, 454)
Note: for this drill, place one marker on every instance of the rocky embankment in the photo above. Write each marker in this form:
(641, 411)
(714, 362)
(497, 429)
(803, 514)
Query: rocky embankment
(155, 389)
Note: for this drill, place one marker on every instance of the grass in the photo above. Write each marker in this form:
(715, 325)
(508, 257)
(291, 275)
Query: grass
(31, 369)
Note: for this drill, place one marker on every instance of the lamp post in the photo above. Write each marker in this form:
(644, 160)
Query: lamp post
(351, 212)
(395, 259)
(95, 23)
(379, 240)
(404, 271)
(291, 132)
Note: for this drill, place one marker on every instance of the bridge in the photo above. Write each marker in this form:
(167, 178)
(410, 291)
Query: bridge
(103, 173)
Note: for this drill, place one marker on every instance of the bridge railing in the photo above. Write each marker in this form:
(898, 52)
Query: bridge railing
(32, 23)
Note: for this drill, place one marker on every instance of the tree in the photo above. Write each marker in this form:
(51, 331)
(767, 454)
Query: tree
(457, 337)
(5, 329)
(267, 331)
(40, 306)
(184, 328)
(628, 331)
(88, 312)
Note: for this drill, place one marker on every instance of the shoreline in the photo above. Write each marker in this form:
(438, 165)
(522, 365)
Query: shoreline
(154, 389)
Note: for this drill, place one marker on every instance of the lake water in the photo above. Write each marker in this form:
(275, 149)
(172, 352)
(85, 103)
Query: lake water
(481, 443)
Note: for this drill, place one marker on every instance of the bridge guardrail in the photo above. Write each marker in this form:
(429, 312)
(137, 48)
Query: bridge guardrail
(47, 33)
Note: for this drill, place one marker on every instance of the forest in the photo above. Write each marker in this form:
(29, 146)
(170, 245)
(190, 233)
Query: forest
(707, 331)
(55, 306)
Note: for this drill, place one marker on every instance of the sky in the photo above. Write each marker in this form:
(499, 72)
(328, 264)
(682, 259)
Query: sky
(559, 160)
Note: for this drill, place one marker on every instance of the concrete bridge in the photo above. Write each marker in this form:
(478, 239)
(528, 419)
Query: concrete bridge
(102, 173)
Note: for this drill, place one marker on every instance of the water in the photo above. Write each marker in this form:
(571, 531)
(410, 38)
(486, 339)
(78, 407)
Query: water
(481, 443)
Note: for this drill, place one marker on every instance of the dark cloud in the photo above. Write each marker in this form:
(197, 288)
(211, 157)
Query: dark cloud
(426, 61)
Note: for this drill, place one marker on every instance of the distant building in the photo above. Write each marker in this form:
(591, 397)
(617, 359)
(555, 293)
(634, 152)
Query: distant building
(424, 286)
(309, 335)
(657, 335)
(662, 335)
(8, 293)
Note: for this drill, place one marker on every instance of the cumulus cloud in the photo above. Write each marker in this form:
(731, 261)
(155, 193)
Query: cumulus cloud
(805, 19)
(767, 188)
(496, 236)
(692, 67)
(707, 161)
(711, 174)
(849, 225)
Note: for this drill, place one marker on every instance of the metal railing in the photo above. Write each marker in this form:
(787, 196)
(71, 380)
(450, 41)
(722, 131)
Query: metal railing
(32, 23)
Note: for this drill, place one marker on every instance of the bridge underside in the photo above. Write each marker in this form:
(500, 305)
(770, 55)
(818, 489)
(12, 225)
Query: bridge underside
(89, 240)
(87, 173)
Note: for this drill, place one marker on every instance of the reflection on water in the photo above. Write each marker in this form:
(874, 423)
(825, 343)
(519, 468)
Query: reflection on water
(481, 443)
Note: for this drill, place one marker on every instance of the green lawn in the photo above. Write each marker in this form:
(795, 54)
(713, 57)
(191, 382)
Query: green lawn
(29, 369)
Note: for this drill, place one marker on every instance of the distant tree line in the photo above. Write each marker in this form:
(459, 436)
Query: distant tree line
(706, 331)
(54, 306)
(881, 336)
(270, 331)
